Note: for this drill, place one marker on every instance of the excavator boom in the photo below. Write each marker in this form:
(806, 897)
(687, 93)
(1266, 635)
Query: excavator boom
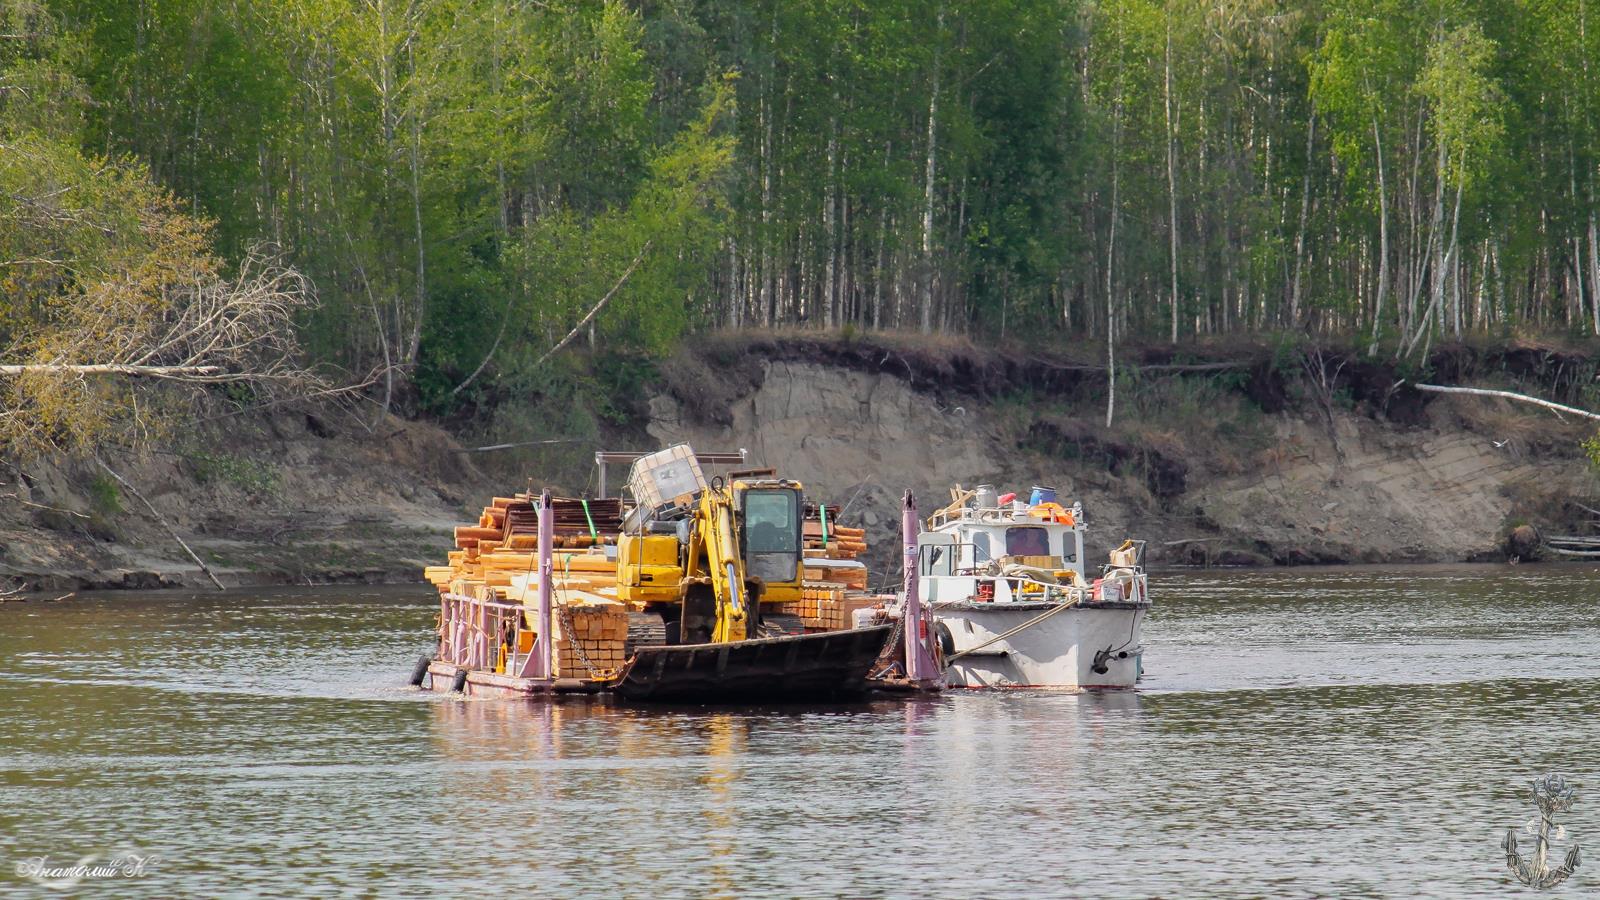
(727, 567)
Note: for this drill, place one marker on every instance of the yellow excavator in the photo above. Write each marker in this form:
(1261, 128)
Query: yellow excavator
(709, 574)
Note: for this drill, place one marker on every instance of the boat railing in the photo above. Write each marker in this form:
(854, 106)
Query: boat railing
(967, 565)
(928, 563)
(473, 629)
(994, 515)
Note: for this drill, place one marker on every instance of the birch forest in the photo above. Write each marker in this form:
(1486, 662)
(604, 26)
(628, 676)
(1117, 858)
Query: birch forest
(470, 187)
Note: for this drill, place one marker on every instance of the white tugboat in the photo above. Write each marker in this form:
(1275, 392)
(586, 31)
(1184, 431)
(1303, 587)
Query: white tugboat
(1014, 606)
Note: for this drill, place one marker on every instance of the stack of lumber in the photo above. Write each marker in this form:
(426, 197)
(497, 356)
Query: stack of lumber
(599, 629)
(843, 541)
(847, 572)
(505, 543)
(509, 572)
(513, 522)
(835, 583)
(825, 606)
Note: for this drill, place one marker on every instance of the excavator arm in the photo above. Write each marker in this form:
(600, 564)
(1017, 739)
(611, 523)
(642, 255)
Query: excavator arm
(721, 542)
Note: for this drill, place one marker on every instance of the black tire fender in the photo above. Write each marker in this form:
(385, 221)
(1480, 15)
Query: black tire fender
(945, 642)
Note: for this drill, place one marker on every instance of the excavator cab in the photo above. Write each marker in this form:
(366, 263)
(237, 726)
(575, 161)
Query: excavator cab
(740, 548)
(770, 539)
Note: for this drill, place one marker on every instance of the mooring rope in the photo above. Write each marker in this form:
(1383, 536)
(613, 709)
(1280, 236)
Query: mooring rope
(1070, 604)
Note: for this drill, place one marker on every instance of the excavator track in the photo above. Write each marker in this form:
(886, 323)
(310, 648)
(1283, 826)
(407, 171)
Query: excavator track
(781, 624)
(645, 629)
(826, 666)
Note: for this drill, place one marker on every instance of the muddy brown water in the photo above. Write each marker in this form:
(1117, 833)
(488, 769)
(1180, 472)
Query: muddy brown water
(1349, 732)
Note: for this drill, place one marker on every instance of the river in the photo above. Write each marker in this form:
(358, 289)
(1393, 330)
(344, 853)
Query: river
(1344, 732)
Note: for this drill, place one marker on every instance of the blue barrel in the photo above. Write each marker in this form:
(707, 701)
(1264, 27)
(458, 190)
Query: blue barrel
(1042, 494)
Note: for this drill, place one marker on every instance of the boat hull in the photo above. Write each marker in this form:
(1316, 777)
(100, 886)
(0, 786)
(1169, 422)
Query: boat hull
(1082, 646)
(821, 666)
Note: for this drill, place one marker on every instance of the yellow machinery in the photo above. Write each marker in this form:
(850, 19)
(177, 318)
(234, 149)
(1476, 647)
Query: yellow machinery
(709, 567)
(703, 567)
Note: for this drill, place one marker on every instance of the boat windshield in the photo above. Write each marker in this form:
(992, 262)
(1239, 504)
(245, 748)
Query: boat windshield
(1027, 540)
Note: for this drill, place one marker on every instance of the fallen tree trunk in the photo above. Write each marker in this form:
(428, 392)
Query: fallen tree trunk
(1508, 395)
(1164, 368)
(621, 280)
(135, 491)
(114, 369)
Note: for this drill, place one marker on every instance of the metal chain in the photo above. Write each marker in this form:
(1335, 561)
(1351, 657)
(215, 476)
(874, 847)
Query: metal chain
(894, 635)
(566, 624)
(577, 644)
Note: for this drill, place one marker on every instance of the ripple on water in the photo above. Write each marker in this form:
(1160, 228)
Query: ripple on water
(1300, 734)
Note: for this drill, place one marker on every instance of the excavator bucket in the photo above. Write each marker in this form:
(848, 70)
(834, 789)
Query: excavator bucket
(823, 666)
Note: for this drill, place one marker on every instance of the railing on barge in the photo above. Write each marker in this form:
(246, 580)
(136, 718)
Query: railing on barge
(472, 631)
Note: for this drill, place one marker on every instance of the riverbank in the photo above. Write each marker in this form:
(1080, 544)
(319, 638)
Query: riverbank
(1224, 455)
(303, 498)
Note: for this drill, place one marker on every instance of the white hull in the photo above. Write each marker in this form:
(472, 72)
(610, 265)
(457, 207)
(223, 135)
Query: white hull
(1057, 652)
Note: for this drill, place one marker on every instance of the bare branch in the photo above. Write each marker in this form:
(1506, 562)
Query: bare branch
(72, 379)
(42, 506)
(113, 369)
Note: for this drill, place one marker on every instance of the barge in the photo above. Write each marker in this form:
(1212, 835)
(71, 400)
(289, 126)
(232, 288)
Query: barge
(688, 589)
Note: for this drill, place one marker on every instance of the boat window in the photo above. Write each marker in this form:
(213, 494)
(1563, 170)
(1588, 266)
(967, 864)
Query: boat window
(770, 522)
(1027, 540)
(980, 547)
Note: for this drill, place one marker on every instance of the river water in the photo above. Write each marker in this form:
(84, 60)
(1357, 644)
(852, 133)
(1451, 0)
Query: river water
(1350, 732)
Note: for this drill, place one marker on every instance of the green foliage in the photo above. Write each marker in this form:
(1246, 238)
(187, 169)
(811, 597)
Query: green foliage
(105, 497)
(1459, 84)
(249, 475)
(622, 385)
(1591, 448)
(465, 180)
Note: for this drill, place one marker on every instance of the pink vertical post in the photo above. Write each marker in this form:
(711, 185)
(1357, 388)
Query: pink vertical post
(919, 661)
(458, 625)
(544, 646)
